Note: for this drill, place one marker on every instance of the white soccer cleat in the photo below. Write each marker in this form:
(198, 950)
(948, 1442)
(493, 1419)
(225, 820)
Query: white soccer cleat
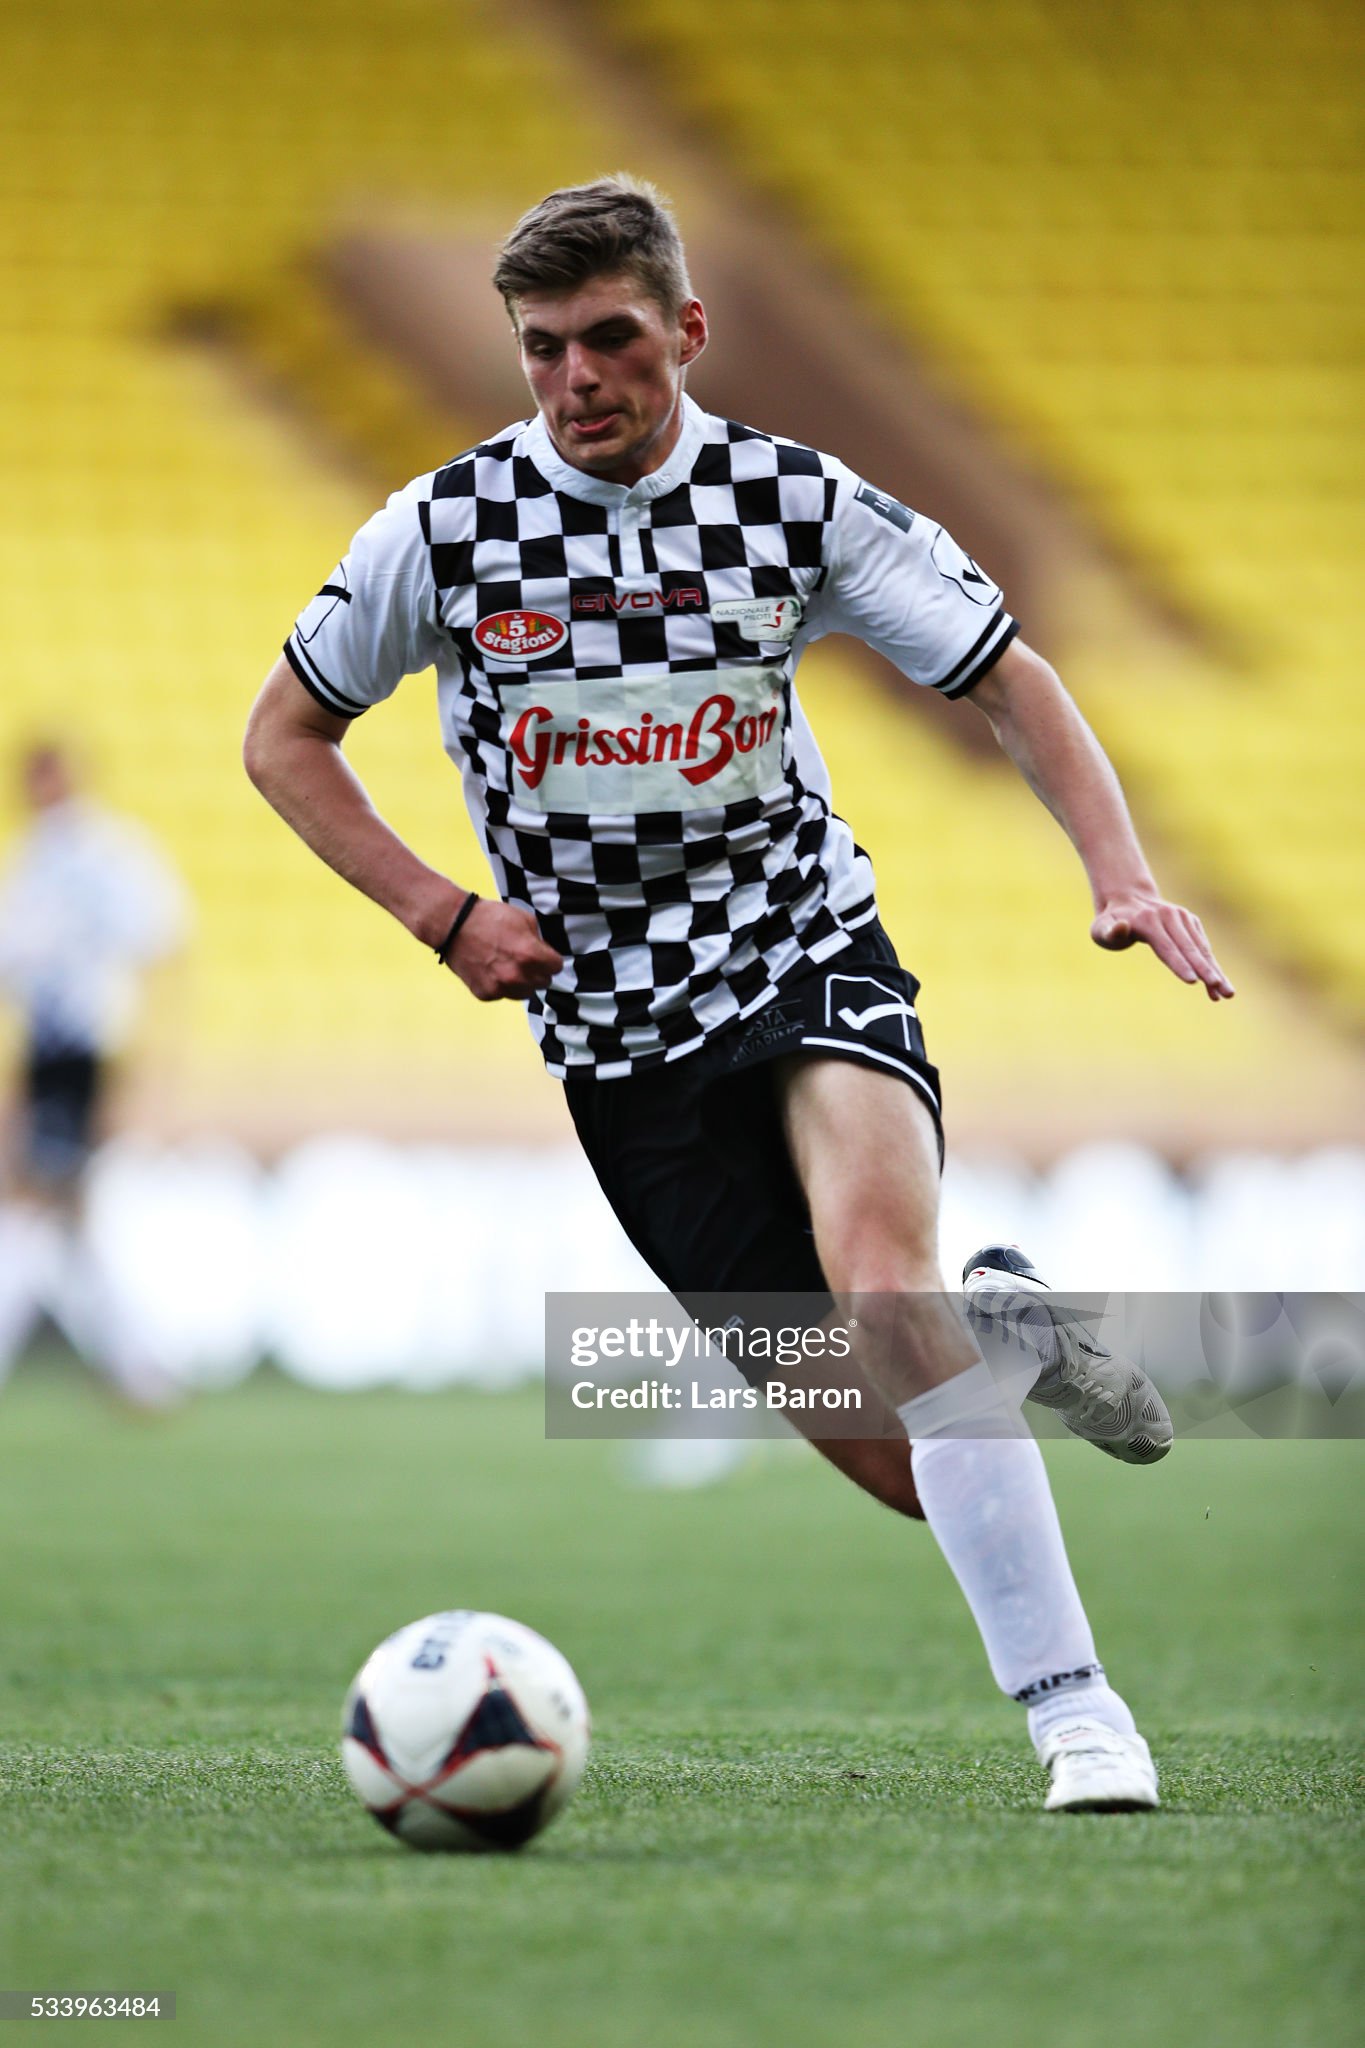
(1094, 1770)
(1109, 1401)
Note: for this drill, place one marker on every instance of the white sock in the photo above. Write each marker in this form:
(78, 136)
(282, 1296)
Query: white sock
(970, 1404)
(990, 1508)
(1092, 1700)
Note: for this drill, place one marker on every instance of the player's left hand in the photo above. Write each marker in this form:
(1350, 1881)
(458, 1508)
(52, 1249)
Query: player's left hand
(1174, 934)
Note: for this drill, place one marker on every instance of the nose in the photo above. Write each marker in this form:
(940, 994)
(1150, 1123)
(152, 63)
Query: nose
(581, 369)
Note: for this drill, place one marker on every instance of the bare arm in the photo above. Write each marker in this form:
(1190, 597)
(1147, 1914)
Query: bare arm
(293, 756)
(1063, 763)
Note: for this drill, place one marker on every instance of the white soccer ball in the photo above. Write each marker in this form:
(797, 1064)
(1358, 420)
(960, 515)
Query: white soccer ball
(465, 1731)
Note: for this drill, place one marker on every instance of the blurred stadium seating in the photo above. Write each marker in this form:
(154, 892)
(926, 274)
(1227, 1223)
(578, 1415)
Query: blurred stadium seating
(1142, 267)
(1134, 235)
(161, 524)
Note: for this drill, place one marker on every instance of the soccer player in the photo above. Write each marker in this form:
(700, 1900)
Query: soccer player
(87, 906)
(615, 594)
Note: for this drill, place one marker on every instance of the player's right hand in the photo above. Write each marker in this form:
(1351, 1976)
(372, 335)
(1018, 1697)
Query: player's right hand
(499, 952)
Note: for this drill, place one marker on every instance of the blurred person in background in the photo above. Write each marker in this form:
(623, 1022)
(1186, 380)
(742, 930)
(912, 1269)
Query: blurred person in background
(88, 904)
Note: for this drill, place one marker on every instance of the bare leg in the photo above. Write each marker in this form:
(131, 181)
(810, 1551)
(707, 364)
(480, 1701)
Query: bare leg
(879, 1468)
(866, 1154)
(27, 1264)
(864, 1149)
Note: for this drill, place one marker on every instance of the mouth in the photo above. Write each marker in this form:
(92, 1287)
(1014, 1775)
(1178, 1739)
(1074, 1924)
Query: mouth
(595, 426)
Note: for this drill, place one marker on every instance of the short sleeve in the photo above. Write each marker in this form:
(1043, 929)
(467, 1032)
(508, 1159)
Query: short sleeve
(903, 585)
(374, 619)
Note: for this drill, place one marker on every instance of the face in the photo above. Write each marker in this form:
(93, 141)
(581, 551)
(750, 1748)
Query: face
(605, 363)
(47, 778)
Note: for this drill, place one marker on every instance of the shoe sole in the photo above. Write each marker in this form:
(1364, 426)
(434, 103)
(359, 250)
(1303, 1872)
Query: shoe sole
(1125, 1454)
(1107, 1806)
(1140, 1448)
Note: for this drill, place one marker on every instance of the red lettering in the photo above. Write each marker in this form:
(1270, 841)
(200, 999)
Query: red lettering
(709, 741)
(535, 759)
(690, 598)
(724, 710)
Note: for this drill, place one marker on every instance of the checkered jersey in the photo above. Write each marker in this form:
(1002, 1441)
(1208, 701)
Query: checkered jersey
(615, 676)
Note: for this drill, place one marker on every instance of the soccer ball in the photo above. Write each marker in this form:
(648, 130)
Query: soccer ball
(465, 1731)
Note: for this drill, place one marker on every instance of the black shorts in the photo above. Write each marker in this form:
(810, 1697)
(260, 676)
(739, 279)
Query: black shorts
(692, 1156)
(59, 1103)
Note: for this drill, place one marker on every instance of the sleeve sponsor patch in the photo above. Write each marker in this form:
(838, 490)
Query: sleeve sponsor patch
(886, 507)
(956, 566)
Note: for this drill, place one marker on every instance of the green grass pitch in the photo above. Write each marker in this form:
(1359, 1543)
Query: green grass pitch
(808, 1819)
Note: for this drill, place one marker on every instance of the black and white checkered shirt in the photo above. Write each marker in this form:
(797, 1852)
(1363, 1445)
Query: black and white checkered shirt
(615, 671)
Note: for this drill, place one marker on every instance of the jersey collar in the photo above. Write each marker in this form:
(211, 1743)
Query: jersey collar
(535, 442)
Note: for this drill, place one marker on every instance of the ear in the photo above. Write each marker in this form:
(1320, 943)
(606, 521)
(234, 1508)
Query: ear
(692, 326)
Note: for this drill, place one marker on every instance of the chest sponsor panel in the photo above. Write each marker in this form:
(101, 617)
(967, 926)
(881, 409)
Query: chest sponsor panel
(619, 747)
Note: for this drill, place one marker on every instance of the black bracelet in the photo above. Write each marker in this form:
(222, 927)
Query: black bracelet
(461, 914)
